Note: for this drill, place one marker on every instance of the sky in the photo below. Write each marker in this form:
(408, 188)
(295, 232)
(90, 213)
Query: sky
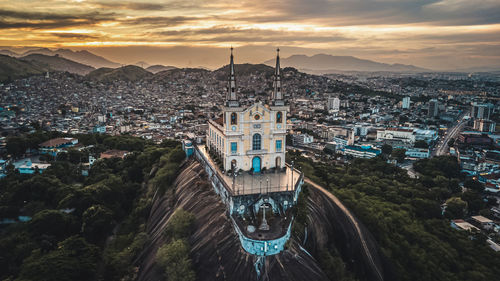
(436, 34)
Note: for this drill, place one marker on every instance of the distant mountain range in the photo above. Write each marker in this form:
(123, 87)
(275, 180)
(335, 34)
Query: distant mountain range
(58, 63)
(12, 68)
(322, 64)
(131, 73)
(83, 57)
(158, 68)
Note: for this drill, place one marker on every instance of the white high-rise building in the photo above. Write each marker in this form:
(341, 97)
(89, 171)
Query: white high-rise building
(406, 103)
(333, 103)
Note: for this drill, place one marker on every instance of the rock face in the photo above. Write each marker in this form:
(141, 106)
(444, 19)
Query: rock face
(330, 222)
(215, 247)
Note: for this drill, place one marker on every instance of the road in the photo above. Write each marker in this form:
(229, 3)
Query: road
(442, 147)
(353, 221)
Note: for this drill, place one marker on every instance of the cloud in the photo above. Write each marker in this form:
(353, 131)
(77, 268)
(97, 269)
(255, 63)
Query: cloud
(247, 35)
(389, 29)
(40, 15)
(78, 36)
(10, 19)
(137, 6)
(160, 21)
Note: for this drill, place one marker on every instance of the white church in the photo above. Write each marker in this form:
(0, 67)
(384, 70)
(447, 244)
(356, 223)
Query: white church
(250, 138)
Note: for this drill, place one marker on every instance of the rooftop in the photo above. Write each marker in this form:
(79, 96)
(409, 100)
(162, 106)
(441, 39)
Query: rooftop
(482, 219)
(56, 142)
(461, 224)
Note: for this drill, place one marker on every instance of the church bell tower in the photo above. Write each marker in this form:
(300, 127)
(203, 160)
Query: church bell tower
(277, 96)
(231, 97)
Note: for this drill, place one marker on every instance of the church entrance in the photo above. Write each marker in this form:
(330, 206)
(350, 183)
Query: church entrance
(233, 165)
(256, 164)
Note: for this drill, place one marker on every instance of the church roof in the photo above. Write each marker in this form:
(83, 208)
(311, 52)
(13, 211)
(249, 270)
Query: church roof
(219, 121)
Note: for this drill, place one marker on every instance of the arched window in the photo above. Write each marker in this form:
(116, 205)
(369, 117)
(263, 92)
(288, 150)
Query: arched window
(279, 117)
(234, 119)
(256, 141)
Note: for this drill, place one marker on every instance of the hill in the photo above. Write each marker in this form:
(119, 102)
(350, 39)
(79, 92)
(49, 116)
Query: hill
(12, 68)
(83, 57)
(58, 63)
(244, 70)
(8, 53)
(130, 73)
(321, 64)
(159, 68)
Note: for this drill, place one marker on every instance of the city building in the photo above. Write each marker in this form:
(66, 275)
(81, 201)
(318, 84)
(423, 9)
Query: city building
(419, 153)
(359, 151)
(302, 139)
(426, 135)
(56, 145)
(433, 108)
(406, 103)
(460, 224)
(333, 103)
(397, 134)
(484, 125)
(481, 110)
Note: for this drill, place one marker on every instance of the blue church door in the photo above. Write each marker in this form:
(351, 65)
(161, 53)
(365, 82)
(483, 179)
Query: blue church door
(256, 164)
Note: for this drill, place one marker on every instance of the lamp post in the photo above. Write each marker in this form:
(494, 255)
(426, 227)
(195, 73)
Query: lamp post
(234, 178)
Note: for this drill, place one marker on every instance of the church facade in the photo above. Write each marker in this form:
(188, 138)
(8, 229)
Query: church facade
(253, 137)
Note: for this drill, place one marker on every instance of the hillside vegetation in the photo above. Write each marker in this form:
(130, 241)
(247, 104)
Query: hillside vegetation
(405, 217)
(130, 73)
(81, 228)
(58, 63)
(12, 68)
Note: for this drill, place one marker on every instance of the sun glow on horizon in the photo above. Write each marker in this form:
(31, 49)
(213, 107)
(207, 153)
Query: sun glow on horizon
(442, 29)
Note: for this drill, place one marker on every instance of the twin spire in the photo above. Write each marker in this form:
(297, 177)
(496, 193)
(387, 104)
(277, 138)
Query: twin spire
(231, 93)
(276, 97)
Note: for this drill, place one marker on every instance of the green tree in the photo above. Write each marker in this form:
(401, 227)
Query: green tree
(174, 258)
(474, 201)
(180, 225)
(473, 185)
(399, 154)
(73, 259)
(455, 208)
(16, 146)
(97, 223)
(386, 149)
(53, 223)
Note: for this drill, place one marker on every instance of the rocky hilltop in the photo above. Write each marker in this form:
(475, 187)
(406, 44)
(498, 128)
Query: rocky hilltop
(215, 248)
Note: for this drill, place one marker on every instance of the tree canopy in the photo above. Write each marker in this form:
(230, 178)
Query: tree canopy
(404, 215)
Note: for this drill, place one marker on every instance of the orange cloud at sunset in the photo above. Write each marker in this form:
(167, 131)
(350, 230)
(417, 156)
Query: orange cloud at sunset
(435, 34)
